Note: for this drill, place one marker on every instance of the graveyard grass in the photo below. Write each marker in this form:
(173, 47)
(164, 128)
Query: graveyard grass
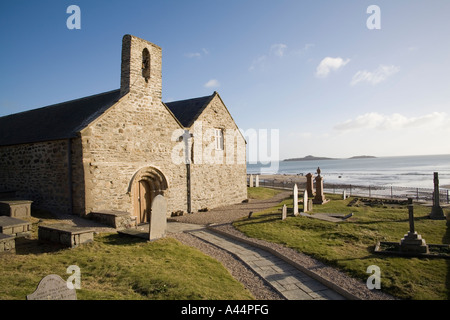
(349, 246)
(121, 268)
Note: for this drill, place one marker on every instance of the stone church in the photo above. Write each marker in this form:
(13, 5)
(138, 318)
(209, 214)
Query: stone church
(118, 150)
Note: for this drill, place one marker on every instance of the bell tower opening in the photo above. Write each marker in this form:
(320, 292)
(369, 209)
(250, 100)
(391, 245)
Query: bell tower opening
(146, 64)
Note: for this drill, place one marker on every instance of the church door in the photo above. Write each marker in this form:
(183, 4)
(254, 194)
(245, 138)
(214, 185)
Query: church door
(143, 197)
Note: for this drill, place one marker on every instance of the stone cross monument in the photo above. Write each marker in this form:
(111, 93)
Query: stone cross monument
(412, 242)
(436, 211)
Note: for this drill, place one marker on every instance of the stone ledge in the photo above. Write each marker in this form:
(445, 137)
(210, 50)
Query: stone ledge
(116, 219)
(65, 234)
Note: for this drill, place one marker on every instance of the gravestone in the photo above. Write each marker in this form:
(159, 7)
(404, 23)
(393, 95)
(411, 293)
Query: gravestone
(158, 218)
(53, 287)
(344, 195)
(257, 181)
(309, 185)
(295, 196)
(320, 197)
(251, 181)
(284, 212)
(412, 242)
(436, 211)
(305, 201)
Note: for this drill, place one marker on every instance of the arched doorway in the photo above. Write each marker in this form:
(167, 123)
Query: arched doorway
(145, 185)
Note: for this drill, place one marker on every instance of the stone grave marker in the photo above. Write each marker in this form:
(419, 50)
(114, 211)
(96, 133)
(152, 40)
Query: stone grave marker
(284, 212)
(320, 197)
(305, 201)
(158, 218)
(257, 181)
(251, 181)
(344, 195)
(436, 211)
(53, 287)
(295, 196)
(309, 185)
(412, 242)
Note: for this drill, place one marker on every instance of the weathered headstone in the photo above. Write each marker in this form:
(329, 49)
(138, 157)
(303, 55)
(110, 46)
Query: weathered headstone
(158, 218)
(344, 195)
(295, 196)
(412, 242)
(257, 181)
(305, 201)
(320, 197)
(53, 287)
(251, 181)
(310, 185)
(436, 211)
(284, 212)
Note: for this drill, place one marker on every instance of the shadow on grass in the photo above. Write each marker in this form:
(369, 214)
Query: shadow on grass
(260, 218)
(25, 246)
(116, 239)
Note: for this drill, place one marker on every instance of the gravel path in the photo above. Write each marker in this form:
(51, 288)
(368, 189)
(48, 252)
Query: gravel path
(220, 219)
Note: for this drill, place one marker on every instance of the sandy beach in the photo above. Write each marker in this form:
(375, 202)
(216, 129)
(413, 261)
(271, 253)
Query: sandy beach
(283, 177)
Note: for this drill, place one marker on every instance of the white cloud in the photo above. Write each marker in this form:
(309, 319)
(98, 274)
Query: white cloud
(375, 77)
(197, 54)
(259, 62)
(213, 83)
(329, 64)
(278, 49)
(395, 121)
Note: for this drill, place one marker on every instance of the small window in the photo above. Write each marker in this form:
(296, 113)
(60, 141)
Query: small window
(146, 64)
(218, 135)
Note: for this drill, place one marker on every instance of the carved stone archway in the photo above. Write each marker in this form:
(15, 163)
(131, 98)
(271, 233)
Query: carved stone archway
(145, 185)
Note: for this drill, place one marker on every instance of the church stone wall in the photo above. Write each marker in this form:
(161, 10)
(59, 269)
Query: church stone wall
(131, 136)
(218, 178)
(38, 172)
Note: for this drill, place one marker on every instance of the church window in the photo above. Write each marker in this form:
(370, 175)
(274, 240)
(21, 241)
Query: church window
(218, 135)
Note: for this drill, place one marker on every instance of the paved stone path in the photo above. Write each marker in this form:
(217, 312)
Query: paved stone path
(283, 277)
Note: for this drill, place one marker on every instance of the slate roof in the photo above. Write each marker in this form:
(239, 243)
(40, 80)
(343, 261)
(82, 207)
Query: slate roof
(187, 111)
(59, 121)
(65, 120)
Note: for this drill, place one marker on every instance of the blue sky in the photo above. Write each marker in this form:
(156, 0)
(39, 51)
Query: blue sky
(310, 69)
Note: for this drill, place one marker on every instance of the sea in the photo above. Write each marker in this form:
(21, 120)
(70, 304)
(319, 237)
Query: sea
(400, 171)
